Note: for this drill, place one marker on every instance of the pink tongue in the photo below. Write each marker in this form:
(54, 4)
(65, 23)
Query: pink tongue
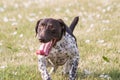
(45, 48)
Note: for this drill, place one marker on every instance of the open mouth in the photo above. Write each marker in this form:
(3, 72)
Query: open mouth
(46, 47)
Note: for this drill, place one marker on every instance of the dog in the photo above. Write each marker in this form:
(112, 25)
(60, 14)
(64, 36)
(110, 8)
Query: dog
(58, 47)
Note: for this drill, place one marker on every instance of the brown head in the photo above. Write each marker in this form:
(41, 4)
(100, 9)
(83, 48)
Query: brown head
(48, 29)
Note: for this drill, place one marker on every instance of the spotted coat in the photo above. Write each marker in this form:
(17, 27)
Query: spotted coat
(65, 53)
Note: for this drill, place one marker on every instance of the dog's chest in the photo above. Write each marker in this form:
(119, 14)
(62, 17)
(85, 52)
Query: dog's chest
(64, 50)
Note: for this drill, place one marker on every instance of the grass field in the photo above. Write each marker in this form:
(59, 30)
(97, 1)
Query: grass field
(98, 37)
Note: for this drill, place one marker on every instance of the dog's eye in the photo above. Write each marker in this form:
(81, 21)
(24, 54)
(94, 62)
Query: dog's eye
(40, 28)
(43, 24)
(51, 27)
(53, 31)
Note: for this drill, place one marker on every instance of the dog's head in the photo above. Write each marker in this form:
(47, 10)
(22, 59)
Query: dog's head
(49, 31)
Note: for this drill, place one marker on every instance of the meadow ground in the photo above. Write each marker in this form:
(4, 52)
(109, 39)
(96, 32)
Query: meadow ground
(98, 37)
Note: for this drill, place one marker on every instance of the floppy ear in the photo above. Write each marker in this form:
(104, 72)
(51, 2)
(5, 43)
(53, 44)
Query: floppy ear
(63, 26)
(36, 27)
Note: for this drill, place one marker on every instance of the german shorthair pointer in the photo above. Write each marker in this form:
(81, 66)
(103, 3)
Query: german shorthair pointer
(58, 47)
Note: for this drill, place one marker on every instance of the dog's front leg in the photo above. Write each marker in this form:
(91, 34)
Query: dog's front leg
(42, 67)
(73, 69)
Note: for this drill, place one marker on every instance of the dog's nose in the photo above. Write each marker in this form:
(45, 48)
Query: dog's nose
(41, 39)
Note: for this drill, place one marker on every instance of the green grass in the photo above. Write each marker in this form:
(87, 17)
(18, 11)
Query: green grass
(98, 37)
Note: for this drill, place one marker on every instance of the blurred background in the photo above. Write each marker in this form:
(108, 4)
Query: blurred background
(97, 33)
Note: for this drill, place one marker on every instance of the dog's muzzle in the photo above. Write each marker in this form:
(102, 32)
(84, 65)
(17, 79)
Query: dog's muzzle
(46, 47)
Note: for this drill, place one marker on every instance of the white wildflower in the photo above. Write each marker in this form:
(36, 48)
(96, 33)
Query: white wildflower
(70, 4)
(16, 5)
(32, 14)
(87, 41)
(14, 23)
(2, 9)
(109, 45)
(99, 8)
(104, 44)
(90, 17)
(1, 44)
(26, 4)
(105, 76)
(88, 30)
(40, 12)
(119, 51)
(19, 16)
(21, 35)
(31, 19)
(102, 76)
(83, 20)
(3, 67)
(91, 25)
(106, 21)
(67, 11)
(15, 73)
(86, 72)
(106, 28)
(98, 15)
(0, 50)
(85, 13)
(82, 8)
(80, 14)
(104, 10)
(14, 33)
(23, 46)
(65, 18)
(101, 41)
(108, 8)
(5, 19)
(5, 6)
(57, 9)
(103, 29)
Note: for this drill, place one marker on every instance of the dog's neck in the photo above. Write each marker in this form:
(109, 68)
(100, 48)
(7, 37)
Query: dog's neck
(64, 39)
